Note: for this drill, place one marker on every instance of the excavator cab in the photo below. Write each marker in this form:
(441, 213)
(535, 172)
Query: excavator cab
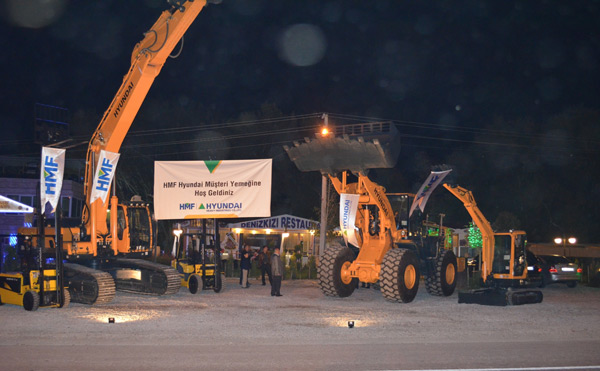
(510, 265)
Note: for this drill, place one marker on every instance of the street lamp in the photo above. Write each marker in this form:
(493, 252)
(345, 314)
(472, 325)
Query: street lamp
(563, 241)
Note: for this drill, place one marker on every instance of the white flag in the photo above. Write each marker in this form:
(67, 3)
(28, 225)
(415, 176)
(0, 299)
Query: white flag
(348, 208)
(105, 171)
(432, 181)
(51, 176)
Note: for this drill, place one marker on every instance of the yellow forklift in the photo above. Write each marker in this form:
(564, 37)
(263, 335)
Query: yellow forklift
(39, 281)
(198, 259)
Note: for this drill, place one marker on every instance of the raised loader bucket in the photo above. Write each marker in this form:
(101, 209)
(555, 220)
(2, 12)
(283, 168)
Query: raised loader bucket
(356, 148)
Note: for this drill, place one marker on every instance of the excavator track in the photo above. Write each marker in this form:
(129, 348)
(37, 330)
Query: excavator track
(145, 277)
(89, 286)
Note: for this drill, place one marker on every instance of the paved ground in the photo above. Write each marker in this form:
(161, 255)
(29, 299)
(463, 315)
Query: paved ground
(303, 330)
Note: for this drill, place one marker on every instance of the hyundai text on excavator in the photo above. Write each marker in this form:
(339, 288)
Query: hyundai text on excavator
(103, 253)
(392, 251)
(503, 261)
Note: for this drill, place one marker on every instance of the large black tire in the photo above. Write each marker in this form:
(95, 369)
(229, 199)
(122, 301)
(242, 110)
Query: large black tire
(219, 283)
(195, 283)
(31, 301)
(441, 281)
(330, 267)
(399, 275)
(66, 298)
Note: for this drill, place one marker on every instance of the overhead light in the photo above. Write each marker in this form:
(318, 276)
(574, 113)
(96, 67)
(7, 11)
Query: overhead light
(268, 231)
(285, 235)
(572, 240)
(237, 230)
(558, 240)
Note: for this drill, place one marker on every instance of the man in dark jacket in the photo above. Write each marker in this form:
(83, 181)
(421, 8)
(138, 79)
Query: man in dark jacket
(246, 265)
(276, 272)
(264, 262)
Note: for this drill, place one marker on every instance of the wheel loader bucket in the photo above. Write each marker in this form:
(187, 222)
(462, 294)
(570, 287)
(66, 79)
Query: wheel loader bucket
(351, 147)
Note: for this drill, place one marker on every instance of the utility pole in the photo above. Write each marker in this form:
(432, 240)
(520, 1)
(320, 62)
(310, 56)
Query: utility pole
(323, 231)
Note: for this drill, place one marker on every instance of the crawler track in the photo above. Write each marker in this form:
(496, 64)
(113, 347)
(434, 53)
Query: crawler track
(151, 279)
(89, 286)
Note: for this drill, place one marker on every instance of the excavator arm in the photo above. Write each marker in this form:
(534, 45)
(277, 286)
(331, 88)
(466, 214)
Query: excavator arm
(147, 60)
(487, 233)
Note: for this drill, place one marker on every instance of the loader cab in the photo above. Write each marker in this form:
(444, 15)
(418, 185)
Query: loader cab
(401, 205)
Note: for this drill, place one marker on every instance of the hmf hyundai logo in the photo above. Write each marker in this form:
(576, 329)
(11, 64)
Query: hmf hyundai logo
(104, 175)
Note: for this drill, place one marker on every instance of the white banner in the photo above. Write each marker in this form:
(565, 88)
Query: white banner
(212, 189)
(105, 171)
(51, 176)
(348, 208)
(433, 180)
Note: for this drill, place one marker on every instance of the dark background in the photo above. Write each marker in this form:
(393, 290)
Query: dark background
(504, 92)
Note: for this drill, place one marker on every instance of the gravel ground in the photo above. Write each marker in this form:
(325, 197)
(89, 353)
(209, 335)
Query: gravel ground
(303, 316)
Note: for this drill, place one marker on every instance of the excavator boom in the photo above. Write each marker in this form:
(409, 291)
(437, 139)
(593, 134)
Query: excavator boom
(147, 60)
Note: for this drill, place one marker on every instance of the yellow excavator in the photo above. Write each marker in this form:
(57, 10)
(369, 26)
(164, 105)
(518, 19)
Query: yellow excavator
(104, 253)
(503, 261)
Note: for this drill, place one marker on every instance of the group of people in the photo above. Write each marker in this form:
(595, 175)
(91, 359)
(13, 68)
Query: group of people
(270, 266)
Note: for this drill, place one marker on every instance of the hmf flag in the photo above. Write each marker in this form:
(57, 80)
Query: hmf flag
(348, 208)
(51, 176)
(105, 171)
(433, 180)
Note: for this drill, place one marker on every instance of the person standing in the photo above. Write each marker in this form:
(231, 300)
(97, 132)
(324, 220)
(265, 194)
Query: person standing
(276, 272)
(246, 265)
(264, 261)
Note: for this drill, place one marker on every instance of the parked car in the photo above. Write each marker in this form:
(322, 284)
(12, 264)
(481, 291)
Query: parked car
(535, 267)
(559, 269)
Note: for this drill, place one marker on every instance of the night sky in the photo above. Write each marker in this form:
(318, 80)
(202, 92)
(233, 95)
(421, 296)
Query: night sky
(505, 92)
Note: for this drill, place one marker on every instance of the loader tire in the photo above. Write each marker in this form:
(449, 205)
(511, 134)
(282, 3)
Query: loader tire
(330, 268)
(399, 275)
(66, 298)
(195, 283)
(219, 283)
(31, 301)
(441, 281)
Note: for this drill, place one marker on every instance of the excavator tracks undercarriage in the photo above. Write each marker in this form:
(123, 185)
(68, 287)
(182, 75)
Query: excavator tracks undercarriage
(144, 277)
(89, 286)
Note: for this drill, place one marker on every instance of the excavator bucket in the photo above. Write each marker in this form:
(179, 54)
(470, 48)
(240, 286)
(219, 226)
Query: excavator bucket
(500, 297)
(356, 148)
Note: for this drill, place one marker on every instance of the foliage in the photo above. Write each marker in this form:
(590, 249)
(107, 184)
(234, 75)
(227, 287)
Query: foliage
(474, 236)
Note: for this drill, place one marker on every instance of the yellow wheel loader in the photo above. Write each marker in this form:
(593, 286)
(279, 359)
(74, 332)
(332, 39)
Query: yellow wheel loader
(392, 251)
